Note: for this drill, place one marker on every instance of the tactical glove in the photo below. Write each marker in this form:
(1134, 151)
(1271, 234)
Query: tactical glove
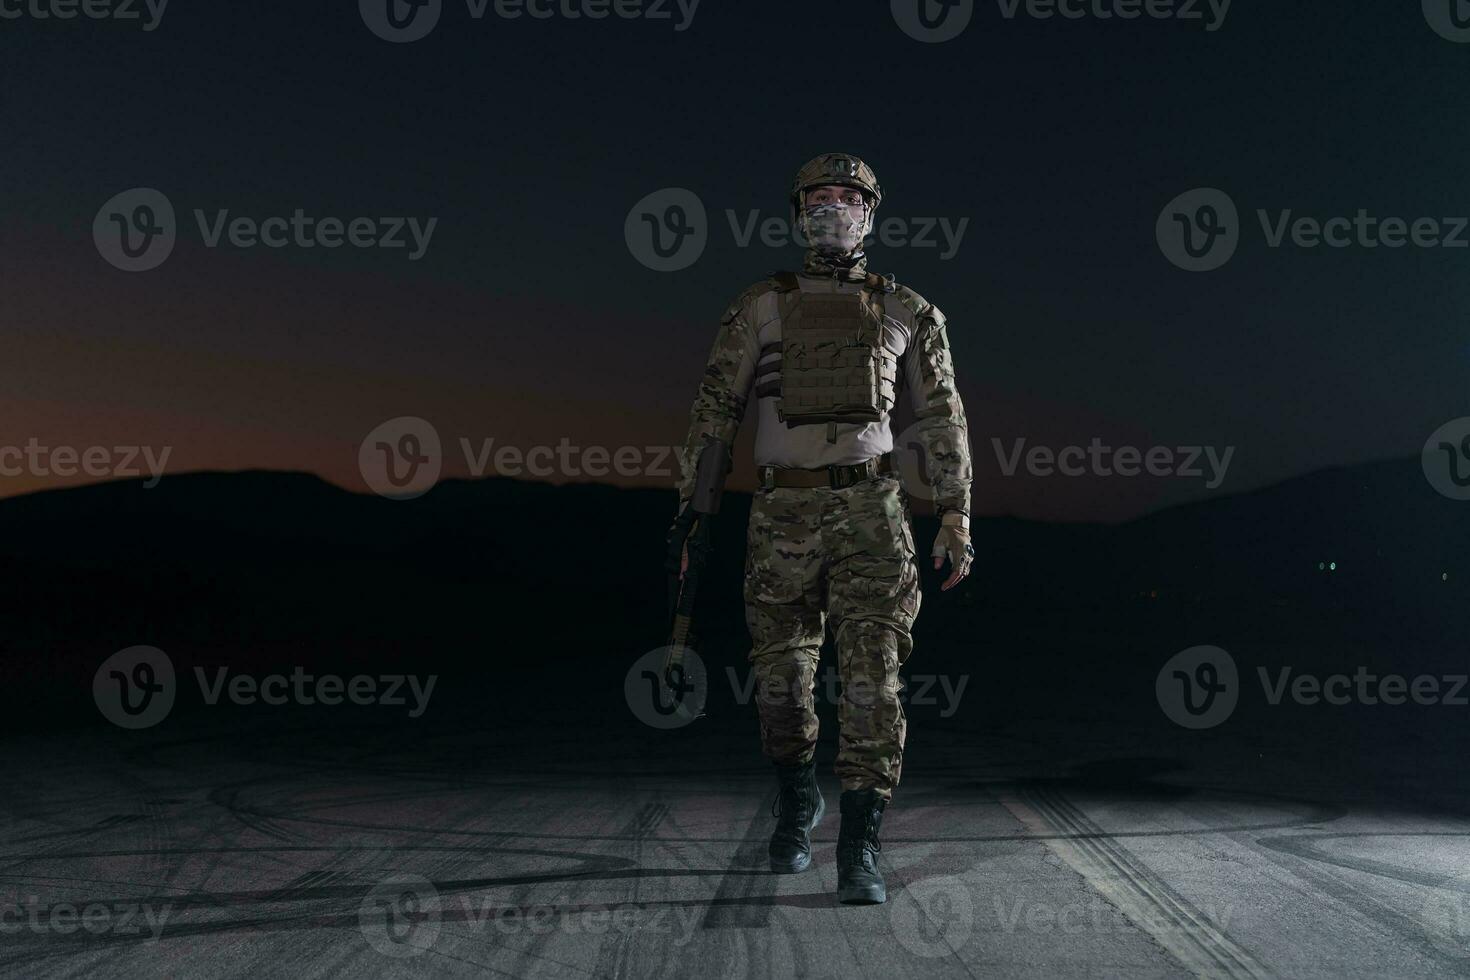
(953, 542)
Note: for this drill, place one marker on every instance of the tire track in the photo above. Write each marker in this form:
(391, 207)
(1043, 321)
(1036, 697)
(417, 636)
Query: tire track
(1156, 909)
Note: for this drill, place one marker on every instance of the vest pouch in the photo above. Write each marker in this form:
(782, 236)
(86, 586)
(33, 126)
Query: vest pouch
(834, 366)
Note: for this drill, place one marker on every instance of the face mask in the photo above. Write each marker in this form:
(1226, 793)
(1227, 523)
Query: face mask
(835, 229)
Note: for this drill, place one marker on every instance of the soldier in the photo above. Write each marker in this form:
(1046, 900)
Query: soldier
(826, 352)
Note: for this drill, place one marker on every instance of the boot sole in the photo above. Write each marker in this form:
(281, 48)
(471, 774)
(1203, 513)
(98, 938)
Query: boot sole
(865, 895)
(798, 866)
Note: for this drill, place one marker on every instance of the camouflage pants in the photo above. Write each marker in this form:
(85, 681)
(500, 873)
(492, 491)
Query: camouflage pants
(847, 554)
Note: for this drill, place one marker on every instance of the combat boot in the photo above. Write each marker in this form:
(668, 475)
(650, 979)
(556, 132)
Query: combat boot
(798, 808)
(859, 882)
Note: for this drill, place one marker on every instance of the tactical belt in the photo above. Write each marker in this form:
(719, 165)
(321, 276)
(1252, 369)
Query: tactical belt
(834, 477)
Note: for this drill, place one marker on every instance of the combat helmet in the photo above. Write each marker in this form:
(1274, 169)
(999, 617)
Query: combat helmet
(836, 168)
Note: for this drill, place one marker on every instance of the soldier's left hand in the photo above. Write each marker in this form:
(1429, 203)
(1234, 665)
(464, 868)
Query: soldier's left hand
(953, 542)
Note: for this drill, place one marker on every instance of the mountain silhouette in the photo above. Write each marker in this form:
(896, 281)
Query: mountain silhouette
(511, 585)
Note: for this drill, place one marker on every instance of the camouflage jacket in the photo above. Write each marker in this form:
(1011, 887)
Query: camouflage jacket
(912, 325)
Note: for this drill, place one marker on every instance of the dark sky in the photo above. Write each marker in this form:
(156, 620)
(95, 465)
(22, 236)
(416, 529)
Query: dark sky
(528, 320)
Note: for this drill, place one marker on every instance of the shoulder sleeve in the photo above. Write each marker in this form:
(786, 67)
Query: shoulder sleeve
(719, 403)
(940, 424)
